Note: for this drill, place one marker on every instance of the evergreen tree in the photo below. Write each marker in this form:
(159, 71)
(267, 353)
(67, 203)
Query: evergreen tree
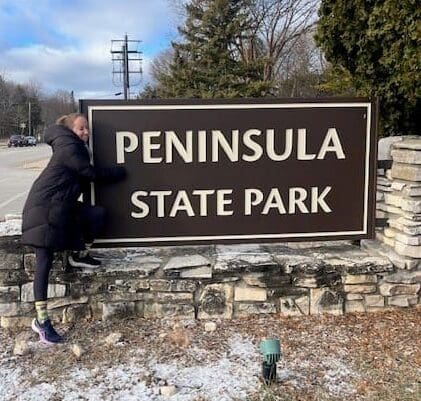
(378, 43)
(207, 63)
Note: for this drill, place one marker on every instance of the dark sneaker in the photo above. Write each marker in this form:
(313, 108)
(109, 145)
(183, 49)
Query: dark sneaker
(79, 259)
(47, 334)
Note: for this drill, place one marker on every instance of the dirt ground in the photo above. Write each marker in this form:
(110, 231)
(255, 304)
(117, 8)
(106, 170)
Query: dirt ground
(354, 357)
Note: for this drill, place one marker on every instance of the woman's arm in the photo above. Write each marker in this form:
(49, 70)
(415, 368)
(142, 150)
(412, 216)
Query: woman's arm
(77, 160)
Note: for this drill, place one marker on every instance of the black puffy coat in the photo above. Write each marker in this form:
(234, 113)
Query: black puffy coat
(50, 214)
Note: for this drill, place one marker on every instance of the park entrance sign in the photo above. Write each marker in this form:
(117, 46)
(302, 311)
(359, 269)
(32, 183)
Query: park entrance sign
(235, 171)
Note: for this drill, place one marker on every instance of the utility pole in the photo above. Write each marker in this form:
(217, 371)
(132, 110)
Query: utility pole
(126, 85)
(126, 60)
(72, 100)
(29, 118)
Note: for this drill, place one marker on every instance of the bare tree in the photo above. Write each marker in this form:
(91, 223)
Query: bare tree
(302, 70)
(59, 103)
(6, 108)
(161, 64)
(15, 110)
(178, 7)
(280, 25)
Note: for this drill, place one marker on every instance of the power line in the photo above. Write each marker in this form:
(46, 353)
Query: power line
(125, 55)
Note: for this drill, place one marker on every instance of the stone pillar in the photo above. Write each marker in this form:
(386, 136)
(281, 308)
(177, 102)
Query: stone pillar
(399, 202)
(404, 231)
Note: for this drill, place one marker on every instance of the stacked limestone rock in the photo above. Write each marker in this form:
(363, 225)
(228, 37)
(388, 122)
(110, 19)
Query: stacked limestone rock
(385, 211)
(384, 186)
(404, 231)
(400, 240)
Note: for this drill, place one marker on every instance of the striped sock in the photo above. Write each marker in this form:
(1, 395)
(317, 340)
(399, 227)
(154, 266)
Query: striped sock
(41, 308)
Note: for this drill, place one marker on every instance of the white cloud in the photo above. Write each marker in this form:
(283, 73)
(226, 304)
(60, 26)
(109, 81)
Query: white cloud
(68, 68)
(68, 46)
(109, 19)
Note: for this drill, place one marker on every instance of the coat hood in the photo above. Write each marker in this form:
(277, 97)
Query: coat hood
(59, 134)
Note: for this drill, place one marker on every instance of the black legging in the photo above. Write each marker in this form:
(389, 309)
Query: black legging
(44, 261)
(91, 220)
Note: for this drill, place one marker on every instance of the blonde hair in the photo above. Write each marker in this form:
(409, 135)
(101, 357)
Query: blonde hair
(68, 119)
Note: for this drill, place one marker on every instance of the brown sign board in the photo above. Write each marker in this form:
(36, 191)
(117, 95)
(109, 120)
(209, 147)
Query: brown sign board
(203, 172)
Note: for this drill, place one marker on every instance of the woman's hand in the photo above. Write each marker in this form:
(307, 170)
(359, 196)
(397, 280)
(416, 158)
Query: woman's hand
(110, 174)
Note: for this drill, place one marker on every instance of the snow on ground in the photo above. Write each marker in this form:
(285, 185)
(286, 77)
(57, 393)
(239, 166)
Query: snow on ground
(354, 357)
(10, 227)
(229, 378)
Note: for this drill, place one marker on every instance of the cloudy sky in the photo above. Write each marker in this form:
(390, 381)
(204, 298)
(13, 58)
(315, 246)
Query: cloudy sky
(65, 44)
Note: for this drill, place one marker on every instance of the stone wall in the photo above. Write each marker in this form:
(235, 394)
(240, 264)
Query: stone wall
(210, 282)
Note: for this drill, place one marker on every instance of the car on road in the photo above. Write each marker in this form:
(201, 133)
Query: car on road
(16, 140)
(30, 141)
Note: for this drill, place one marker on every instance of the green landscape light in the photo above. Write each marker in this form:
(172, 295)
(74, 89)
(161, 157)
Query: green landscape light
(270, 349)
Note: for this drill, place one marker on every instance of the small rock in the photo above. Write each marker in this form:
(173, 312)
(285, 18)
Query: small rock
(22, 344)
(77, 350)
(113, 338)
(210, 327)
(180, 337)
(168, 391)
(21, 348)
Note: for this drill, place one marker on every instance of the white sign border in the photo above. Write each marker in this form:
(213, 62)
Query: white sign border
(93, 108)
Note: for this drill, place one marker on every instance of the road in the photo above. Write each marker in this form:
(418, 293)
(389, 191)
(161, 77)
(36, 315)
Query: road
(19, 167)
